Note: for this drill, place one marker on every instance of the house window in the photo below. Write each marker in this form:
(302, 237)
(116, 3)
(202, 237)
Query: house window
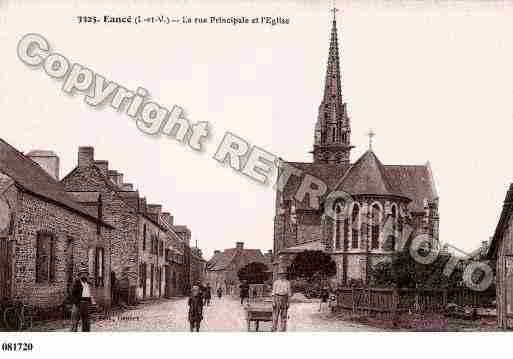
(355, 226)
(161, 248)
(144, 237)
(99, 260)
(45, 258)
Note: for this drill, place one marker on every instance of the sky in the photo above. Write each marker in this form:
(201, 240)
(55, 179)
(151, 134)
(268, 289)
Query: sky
(434, 80)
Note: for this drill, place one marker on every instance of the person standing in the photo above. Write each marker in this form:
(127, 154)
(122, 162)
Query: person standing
(324, 297)
(208, 294)
(281, 294)
(244, 291)
(81, 295)
(195, 308)
(219, 292)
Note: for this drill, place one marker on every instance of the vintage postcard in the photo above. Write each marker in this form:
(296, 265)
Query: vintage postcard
(243, 166)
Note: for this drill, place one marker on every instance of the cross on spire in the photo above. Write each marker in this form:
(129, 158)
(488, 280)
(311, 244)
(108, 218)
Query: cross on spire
(371, 134)
(334, 11)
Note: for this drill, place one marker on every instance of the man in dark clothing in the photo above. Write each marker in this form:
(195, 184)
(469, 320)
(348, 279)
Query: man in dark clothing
(81, 297)
(208, 294)
(195, 308)
(244, 291)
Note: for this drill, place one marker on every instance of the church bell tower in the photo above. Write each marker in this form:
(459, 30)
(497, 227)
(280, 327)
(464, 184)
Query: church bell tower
(332, 131)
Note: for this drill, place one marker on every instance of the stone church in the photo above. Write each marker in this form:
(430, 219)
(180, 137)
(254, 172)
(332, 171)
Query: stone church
(380, 195)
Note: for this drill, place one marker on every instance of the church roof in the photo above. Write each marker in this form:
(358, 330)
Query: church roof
(368, 176)
(32, 178)
(415, 181)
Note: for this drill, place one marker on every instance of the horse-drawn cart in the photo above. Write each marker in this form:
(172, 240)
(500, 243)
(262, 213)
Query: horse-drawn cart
(259, 311)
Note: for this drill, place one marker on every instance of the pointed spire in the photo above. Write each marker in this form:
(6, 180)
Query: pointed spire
(332, 131)
(332, 85)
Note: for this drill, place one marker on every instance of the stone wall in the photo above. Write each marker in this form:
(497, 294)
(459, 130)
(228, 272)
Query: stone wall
(72, 233)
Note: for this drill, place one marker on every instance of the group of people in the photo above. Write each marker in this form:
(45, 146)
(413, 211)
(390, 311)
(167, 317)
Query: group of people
(82, 298)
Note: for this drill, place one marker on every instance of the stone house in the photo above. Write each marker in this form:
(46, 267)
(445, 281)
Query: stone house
(45, 235)
(222, 269)
(193, 259)
(139, 261)
(501, 251)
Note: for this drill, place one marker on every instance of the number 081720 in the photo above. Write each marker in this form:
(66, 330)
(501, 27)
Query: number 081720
(17, 347)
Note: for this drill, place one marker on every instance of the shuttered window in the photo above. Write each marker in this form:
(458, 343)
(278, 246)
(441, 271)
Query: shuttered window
(45, 258)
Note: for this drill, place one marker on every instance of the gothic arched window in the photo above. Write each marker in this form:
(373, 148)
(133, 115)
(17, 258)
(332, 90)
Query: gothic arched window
(392, 237)
(375, 225)
(338, 226)
(355, 226)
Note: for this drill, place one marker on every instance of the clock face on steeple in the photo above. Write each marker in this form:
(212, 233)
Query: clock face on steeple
(5, 216)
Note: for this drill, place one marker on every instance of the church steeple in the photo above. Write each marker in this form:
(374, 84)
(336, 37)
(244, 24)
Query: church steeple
(332, 130)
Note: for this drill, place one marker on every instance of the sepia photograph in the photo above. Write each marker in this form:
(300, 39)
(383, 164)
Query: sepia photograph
(189, 166)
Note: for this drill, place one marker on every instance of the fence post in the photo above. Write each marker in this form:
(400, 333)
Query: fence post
(395, 306)
(353, 300)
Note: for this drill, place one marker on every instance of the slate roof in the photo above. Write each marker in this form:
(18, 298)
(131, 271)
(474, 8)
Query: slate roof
(369, 176)
(32, 178)
(504, 218)
(415, 181)
(223, 259)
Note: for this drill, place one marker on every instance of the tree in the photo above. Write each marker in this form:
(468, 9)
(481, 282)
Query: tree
(405, 272)
(309, 264)
(254, 273)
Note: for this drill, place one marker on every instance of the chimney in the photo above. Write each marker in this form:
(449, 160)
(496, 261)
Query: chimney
(484, 247)
(113, 176)
(47, 160)
(142, 205)
(128, 187)
(155, 208)
(119, 180)
(239, 245)
(217, 251)
(103, 166)
(85, 156)
(166, 216)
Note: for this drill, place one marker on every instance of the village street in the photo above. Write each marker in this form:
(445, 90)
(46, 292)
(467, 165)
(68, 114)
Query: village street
(224, 314)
